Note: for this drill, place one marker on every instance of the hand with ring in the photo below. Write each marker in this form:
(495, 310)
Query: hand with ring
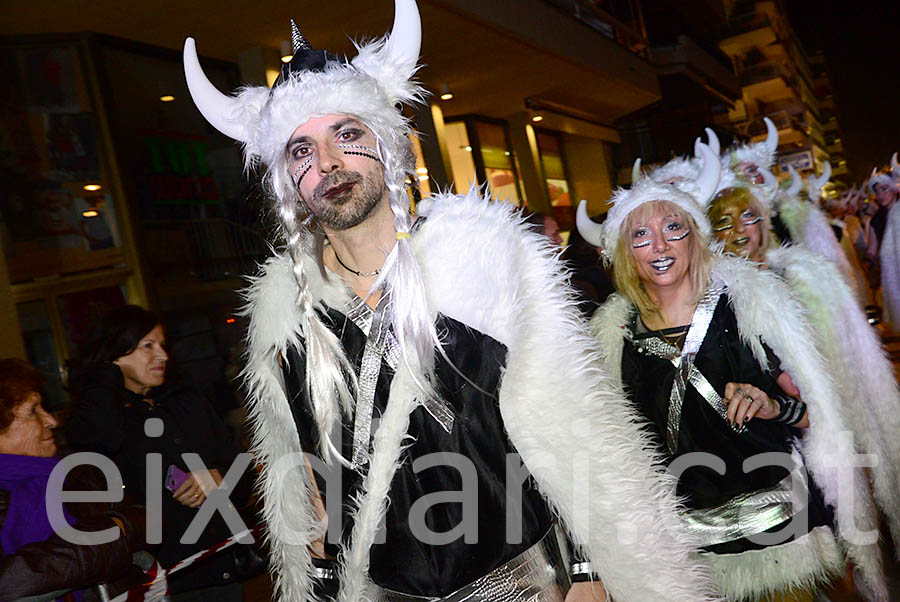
(194, 490)
(746, 402)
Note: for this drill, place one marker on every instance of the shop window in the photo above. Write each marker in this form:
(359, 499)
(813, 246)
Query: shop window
(462, 163)
(556, 179)
(480, 152)
(58, 216)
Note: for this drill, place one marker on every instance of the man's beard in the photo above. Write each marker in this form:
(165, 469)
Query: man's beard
(348, 209)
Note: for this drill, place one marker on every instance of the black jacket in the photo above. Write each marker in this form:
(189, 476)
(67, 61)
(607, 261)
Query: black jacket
(109, 419)
(55, 564)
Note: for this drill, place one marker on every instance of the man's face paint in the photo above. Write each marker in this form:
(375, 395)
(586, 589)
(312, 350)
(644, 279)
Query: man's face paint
(738, 225)
(336, 169)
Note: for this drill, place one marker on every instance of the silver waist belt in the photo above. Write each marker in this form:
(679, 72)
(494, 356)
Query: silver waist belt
(536, 575)
(744, 515)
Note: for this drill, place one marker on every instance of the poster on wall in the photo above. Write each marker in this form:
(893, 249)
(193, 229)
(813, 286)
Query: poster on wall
(49, 228)
(71, 146)
(51, 80)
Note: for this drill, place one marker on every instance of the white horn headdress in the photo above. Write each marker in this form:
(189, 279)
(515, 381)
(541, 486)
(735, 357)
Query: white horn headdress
(316, 83)
(762, 154)
(814, 184)
(690, 195)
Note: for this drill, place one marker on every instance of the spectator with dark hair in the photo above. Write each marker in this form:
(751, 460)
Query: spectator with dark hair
(589, 278)
(118, 383)
(33, 558)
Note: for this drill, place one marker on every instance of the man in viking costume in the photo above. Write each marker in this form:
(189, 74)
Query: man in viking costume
(434, 362)
(698, 340)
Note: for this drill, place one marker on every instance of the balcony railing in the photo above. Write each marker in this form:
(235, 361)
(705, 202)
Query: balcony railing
(626, 29)
(762, 72)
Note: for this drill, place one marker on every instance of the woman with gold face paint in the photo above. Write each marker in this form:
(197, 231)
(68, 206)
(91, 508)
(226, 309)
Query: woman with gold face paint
(740, 222)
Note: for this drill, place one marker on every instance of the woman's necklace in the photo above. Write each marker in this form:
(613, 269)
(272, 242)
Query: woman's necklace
(676, 340)
(351, 270)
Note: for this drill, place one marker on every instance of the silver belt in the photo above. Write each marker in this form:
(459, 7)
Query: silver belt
(743, 515)
(536, 575)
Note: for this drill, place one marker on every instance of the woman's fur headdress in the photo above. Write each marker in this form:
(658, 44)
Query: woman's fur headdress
(691, 195)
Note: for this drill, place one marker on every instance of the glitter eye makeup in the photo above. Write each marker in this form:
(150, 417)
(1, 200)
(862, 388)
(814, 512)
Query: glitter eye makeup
(753, 220)
(678, 237)
(724, 227)
(639, 245)
(360, 150)
(304, 167)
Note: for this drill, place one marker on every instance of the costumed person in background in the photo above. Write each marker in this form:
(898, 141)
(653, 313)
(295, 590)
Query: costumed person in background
(886, 190)
(449, 334)
(793, 218)
(694, 338)
(863, 374)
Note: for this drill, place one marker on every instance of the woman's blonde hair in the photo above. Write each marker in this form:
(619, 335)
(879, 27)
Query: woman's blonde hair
(625, 273)
(736, 194)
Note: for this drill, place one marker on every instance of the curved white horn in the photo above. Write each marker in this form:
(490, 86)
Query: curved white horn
(708, 179)
(713, 141)
(895, 165)
(405, 40)
(590, 230)
(216, 107)
(823, 179)
(769, 178)
(771, 136)
(636, 170)
(796, 182)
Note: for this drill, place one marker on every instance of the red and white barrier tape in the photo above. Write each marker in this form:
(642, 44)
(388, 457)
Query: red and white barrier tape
(157, 587)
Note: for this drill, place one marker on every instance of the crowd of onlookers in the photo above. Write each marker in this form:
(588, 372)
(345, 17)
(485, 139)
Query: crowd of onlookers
(153, 450)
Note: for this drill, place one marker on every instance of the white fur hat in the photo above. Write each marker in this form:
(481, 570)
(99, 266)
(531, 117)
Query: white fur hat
(369, 87)
(690, 195)
(761, 154)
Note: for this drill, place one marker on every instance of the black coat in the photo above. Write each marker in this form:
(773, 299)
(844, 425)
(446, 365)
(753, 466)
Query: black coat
(109, 419)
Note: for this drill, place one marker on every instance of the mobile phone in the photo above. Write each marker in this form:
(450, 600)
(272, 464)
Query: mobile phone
(175, 477)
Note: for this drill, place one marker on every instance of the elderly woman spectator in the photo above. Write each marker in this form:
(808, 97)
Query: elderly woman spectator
(35, 560)
(125, 409)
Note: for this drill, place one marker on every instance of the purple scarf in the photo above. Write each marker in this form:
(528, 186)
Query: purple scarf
(25, 478)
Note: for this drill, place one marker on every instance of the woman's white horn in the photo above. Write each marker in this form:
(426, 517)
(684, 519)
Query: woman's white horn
(590, 230)
(708, 179)
(895, 165)
(713, 141)
(769, 178)
(771, 136)
(636, 170)
(405, 41)
(823, 179)
(796, 182)
(216, 107)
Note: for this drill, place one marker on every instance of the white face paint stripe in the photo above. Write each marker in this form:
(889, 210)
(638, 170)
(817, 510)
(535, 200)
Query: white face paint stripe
(679, 237)
(642, 244)
(305, 166)
(755, 220)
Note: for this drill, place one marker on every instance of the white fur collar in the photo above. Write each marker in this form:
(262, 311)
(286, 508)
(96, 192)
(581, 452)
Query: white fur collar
(766, 310)
(483, 267)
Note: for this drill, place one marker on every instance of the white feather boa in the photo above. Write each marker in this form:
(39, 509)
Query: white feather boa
(890, 269)
(809, 226)
(767, 312)
(862, 372)
(564, 415)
